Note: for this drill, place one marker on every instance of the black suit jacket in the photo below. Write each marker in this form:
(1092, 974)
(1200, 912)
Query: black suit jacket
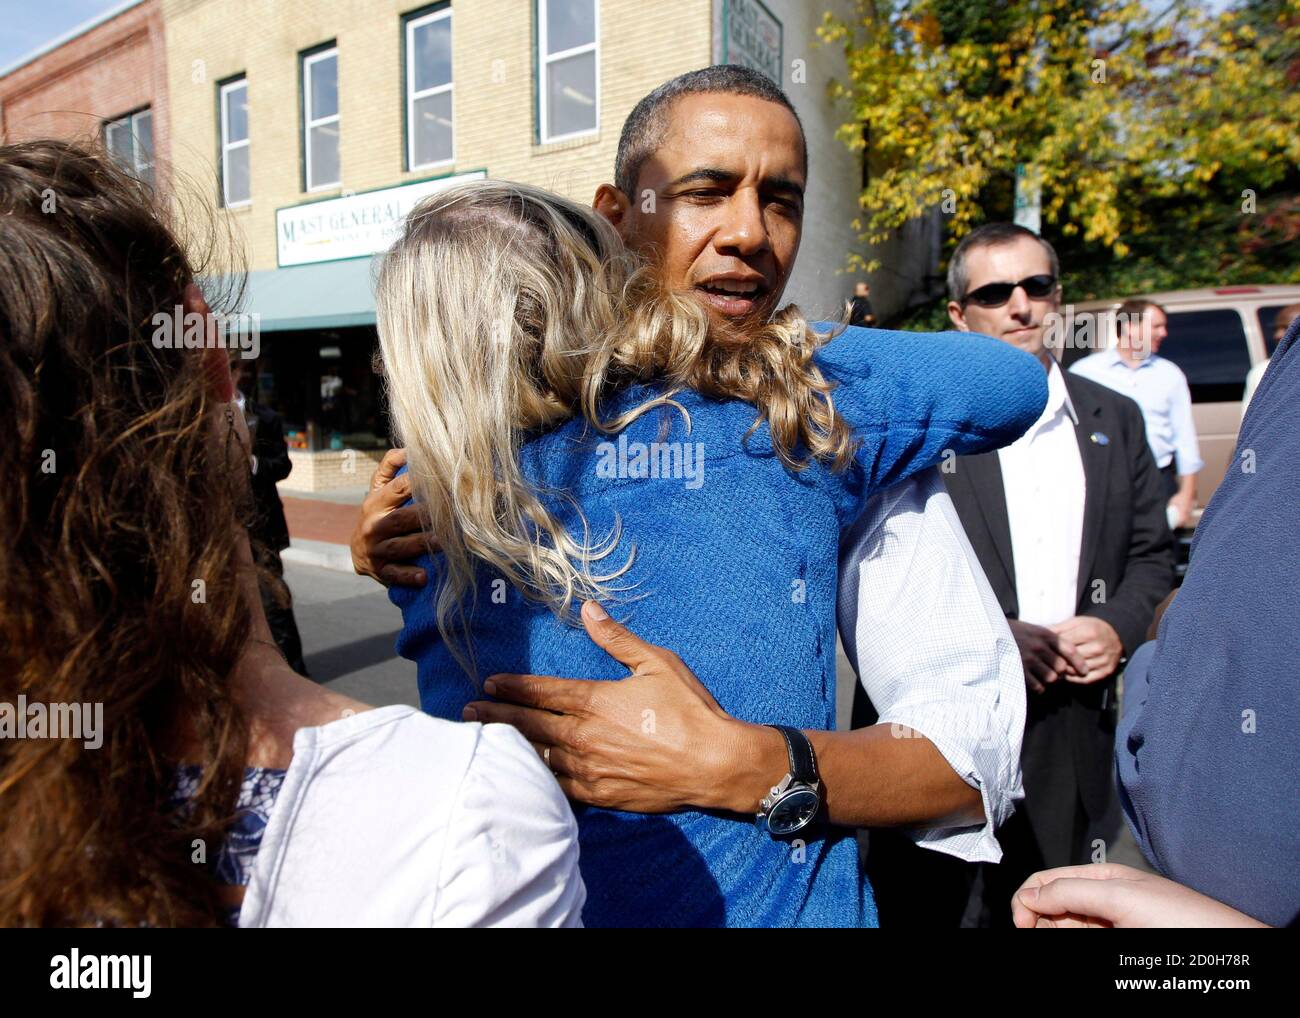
(1126, 567)
(266, 428)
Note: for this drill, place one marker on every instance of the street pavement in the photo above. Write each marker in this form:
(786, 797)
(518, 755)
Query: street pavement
(348, 629)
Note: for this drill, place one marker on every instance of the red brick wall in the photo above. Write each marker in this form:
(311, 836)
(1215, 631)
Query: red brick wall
(117, 67)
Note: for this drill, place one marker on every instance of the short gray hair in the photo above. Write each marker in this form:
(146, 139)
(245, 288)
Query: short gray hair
(990, 235)
(643, 131)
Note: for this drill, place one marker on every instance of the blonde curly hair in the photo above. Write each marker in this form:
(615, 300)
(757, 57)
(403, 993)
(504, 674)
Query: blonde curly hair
(504, 310)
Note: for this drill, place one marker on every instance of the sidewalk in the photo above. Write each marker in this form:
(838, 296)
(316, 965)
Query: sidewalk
(320, 525)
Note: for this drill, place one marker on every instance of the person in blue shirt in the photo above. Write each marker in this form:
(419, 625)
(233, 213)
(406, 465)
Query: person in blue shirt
(1209, 765)
(1134, 368)
(1207, 757)
(575, 431)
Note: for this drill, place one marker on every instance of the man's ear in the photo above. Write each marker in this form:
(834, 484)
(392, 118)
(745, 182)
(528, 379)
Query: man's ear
(613, 204)
(215, 363)
(958, 317)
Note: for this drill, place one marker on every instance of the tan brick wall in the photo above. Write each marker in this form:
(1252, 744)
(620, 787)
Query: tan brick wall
(114, 68)
(641, 45)
(330, 469)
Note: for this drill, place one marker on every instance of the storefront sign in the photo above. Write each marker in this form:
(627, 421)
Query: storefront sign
(752, 37)
(353, 225)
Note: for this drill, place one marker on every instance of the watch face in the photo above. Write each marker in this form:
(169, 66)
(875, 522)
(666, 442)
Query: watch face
(794, 811)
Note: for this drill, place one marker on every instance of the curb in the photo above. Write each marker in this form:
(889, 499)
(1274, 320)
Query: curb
(322, 554)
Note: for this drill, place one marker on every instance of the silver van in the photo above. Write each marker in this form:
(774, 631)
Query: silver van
(1215, 336)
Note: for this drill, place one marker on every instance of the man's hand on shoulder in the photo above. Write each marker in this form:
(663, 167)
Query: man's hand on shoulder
(388, 536)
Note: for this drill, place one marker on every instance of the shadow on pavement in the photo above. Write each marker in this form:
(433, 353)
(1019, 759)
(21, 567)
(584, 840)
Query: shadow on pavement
(345, 658)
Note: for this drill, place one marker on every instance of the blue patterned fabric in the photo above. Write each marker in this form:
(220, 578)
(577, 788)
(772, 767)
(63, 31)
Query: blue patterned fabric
(257, 794)
(738, 574)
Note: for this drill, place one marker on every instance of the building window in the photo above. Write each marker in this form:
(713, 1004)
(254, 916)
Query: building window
(429, 136)
(129, 141)
(235, 187)
(320, 118)
(568, 68)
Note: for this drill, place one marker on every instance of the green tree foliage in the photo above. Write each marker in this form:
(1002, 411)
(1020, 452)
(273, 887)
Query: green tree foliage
(1165, 136)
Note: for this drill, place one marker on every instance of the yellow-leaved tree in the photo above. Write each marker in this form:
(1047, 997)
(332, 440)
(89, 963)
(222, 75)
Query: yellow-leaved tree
(1125, 113)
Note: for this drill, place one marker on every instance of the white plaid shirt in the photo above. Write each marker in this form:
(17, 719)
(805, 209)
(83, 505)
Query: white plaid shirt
(924, 632)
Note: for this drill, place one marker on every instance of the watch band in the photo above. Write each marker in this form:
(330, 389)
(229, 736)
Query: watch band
(803, 762)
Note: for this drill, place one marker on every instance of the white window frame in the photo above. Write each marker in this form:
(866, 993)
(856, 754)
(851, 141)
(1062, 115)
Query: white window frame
(228, 146)
(412, 95)
(308, 123)
(544, 61)
(128, 120)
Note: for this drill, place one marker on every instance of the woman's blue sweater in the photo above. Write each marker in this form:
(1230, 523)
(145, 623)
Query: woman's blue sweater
(735, 569)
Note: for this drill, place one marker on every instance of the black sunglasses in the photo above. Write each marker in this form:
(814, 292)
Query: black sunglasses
(994, 295)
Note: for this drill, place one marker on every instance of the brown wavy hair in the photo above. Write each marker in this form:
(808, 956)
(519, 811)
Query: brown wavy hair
(115, 501)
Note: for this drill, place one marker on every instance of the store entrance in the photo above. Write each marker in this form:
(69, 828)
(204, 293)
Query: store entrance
(323, 383)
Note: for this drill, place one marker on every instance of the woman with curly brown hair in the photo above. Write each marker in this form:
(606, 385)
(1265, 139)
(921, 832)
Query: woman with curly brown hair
(224, 787)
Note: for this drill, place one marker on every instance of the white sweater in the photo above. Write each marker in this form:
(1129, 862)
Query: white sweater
(393, 818)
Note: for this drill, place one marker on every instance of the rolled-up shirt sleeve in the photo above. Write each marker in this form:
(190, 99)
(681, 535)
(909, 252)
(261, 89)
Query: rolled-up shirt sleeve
(933, 651)
(1187, 451)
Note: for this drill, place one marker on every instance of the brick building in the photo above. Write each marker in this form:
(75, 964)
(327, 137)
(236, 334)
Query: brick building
(106, 80)
(313, 126)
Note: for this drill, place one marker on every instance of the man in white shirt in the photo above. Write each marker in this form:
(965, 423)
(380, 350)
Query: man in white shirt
(1133, 368)
(936, 657)
(1068, 524)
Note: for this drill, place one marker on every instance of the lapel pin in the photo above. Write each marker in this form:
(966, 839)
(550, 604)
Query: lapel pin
(1100, 438)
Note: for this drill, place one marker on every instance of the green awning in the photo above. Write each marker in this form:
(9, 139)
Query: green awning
(321, 296)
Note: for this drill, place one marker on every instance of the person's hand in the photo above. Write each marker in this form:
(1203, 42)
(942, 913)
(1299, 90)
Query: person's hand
(1182, 506)
(654, 742)
(388, 534)
(1109, 895)
(1097, 641)
(1046, 655)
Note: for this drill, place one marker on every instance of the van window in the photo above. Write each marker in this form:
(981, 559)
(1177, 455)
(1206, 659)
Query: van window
(1210, 347)
(1267, 320)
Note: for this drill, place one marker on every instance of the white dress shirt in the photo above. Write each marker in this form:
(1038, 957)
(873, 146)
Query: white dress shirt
(923, 630)
(1253, 377)
(1042, 476)
(393, 818)
(1159, 388)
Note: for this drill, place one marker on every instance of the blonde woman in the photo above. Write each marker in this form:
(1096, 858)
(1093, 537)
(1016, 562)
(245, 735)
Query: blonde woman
(575, 432)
